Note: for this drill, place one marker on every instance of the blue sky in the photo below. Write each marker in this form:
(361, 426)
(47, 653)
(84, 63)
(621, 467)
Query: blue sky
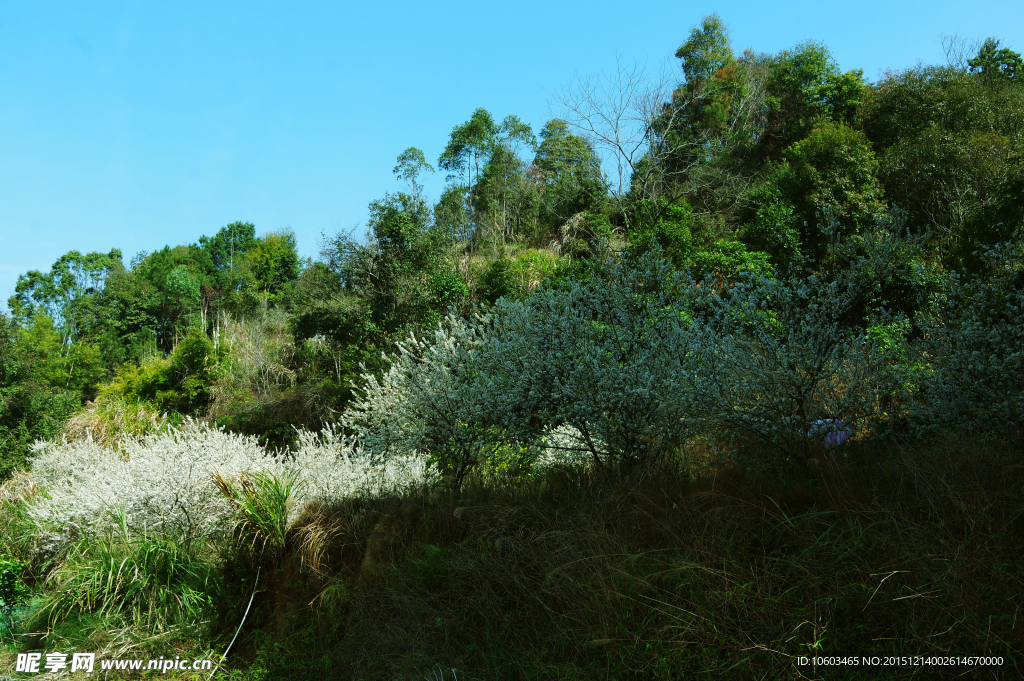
(140, 124)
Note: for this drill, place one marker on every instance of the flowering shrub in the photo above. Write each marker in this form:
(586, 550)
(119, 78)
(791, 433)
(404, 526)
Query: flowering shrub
(636, 360)
(779, 355)
(595, 361)
(164, 482)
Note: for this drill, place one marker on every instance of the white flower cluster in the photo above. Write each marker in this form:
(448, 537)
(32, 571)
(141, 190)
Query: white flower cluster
(164, 481)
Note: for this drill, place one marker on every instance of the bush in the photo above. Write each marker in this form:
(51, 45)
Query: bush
(28, 413)
(499, 281)
(163, 483)
(638, 359)
(13, 592)
(971, 350)
(597, 359)
(180, 382)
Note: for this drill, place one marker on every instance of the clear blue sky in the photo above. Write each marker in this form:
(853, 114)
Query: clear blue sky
(140, 124)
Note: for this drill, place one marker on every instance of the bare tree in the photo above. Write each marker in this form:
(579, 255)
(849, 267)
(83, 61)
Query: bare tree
(627, 113)
(617, 114)
(959, 50)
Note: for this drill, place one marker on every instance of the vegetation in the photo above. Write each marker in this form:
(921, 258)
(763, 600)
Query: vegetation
(755, 394)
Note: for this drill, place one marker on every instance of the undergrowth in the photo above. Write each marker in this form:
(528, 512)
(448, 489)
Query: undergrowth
(665, 575)
(567, 572)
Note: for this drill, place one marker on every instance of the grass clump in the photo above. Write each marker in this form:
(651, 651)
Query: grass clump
(152, 579)
(112, 421)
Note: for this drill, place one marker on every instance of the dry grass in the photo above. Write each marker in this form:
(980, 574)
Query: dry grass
(887, 551)
(111, 421)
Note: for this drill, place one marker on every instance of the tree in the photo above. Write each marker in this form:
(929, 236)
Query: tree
(229, 243)
(30, 410)
(273, 260)
(390, 276)
(706, 131)
(616, 114)
(670, 140)
(411, 163)
(835, 166)
(948, 147)
(69, 293)
(569, 173)
(171, 282)
(478, 138)
(805, 86)
(467, 144)
(481, 141)
(706, 51)
(184, 287)
(996, 65)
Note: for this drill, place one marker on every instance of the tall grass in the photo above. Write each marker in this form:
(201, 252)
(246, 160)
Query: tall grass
(665, 574)
(262, 503)
(112, 421)
(153, 579)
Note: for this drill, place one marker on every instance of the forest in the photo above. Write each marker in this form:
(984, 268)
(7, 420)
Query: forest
(711, 372)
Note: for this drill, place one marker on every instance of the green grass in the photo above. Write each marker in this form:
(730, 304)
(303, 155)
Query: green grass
(149, 579)
(262, 502)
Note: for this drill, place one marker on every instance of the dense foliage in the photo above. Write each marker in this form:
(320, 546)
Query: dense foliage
(789, 272)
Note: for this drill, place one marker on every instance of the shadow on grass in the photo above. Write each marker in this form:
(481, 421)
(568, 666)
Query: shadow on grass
(876, 551)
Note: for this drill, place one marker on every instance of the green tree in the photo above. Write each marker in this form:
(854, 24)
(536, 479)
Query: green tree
(692, 134)
(73, 367)
(29, 410)
(274, 262)
(453, 213)
(949, 149)
(411, 163)
(228, 244)
(832, 170)
(997, 65)
(168, 275)
(805, 86)
(180, 382)
(69, 293)
(706, 51)
(569, 174)
(384, 286)
(482, 142)
(473, 142)
(130, 304)
(835, 166)
(183, 286)
(468, 143)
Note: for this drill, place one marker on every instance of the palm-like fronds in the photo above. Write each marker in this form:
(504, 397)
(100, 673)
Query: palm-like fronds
(262, 502)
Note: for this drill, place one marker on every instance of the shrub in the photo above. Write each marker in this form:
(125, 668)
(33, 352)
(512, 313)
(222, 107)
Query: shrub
(499, 281)
(12, 590)
(163, 483)
(639, 358)
(972, 350)
(179, 382)
(598, 359)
